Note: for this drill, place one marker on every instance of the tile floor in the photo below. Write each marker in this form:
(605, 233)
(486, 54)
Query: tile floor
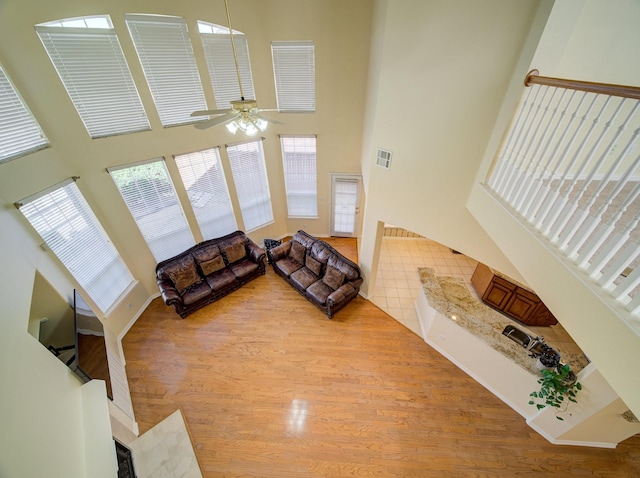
(398, 285)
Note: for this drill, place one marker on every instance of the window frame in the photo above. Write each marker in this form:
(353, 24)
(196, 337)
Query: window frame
(294, 75)
(108, 104)
(154, 222)
(300, 142)
(250, 181)
(20, 132)
(64, 220)
(175, 97)
(221, 65)
(213, 183)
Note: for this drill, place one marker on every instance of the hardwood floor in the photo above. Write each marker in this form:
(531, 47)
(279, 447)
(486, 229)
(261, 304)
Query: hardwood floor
(272, 388)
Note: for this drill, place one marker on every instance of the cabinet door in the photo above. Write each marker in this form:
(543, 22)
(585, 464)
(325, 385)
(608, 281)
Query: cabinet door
(542, 316)
(522, 305)
(498, 294)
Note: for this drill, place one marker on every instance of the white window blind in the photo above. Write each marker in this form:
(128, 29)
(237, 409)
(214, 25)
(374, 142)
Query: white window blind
(151, 198)
(94, 72)
(250, 178)
(20, 133)
(299, 163)
(222, 67)
(204, 180)
(68, 226)
(167, 59)
(294, 69)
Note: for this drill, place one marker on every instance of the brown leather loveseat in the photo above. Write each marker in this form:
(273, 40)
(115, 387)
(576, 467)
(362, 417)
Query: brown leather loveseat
(208, 271)
(317, 271)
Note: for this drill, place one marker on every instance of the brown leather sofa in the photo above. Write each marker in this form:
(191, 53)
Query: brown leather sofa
(208, 271)
(317, 271)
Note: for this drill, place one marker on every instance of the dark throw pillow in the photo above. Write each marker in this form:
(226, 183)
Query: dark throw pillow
(235, 252)
(297, 252)
(214, 265)
(313, 265)
(185, 277)
(333, 277)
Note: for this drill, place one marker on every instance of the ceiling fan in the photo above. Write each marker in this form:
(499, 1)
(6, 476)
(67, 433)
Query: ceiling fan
(244, 113)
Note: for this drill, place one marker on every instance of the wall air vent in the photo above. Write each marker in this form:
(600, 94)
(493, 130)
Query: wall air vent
(383, 158)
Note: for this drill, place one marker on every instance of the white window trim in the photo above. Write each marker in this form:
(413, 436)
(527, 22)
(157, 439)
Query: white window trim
(294, 75)
(20, 133)
(74, 54)
(105, 278)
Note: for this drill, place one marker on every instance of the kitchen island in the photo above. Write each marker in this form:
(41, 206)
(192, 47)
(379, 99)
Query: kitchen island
(469, 333)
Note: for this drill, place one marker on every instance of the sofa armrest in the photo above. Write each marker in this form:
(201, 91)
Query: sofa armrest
(256, 253)
(280, 252)
(340, 294)
(170, 294)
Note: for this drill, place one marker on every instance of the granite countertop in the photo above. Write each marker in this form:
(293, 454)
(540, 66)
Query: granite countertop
(451, 297)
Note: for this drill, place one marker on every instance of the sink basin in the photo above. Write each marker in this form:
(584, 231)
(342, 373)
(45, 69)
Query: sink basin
(517, 335)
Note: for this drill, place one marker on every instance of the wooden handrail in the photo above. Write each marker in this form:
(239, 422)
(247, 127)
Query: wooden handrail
(534, 78)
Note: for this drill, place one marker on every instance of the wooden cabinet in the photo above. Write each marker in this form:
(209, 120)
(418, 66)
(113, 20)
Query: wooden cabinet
(510, 298)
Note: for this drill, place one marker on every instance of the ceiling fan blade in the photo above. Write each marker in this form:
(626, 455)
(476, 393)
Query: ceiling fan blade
(211, 112)
(216, 121)
(268, 120)
(268, 109)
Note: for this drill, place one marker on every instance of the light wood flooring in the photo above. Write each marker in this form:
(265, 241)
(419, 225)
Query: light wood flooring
(272, 388)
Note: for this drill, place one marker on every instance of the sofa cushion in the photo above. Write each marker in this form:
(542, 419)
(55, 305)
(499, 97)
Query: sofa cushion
(221, 279)
(297, 252)
(350, 272)
(313, 265)
(206, 252)
(235, 252)
(303, 278)
(196, 293)
(183, 273)
(333, 278)
(319, 291)
(213, 265)
(243, 268)
(287, 266)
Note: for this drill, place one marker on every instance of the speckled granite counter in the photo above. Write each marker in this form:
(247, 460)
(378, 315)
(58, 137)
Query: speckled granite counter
(450, 297)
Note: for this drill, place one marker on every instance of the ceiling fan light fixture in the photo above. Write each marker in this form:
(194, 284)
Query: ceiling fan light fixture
(250, 129)
(232, 127)
(262, 124)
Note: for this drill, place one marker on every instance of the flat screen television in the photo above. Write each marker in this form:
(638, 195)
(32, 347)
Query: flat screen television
(91, 350)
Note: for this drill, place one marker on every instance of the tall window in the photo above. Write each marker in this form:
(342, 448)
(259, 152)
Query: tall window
(153, 203)
(222, 68)
(20, 133)
(250, 177)
(294, 69)
(166, 55)
(88, 58)
(299, 163)
(65, 221)
(204, 180)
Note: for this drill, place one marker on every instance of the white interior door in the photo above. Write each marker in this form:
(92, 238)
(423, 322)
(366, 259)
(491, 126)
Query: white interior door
(345, 205)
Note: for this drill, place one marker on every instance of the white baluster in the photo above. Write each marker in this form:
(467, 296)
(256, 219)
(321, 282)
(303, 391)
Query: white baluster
(568, 234)
(548, 223)
(497, 178)
(533, 141)
(521, 138)
(533, 178)
(536, 199)
(575, 245)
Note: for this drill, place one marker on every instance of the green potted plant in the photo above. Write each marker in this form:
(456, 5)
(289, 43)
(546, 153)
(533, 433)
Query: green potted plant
(558, 388)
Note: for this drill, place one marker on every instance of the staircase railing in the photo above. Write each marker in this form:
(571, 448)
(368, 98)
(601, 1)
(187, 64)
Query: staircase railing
(569, 166)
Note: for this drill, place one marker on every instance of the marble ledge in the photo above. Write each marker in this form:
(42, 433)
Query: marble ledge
(451, 297)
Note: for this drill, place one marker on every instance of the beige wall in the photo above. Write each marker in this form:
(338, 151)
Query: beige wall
(441, 69)
(43, 398)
